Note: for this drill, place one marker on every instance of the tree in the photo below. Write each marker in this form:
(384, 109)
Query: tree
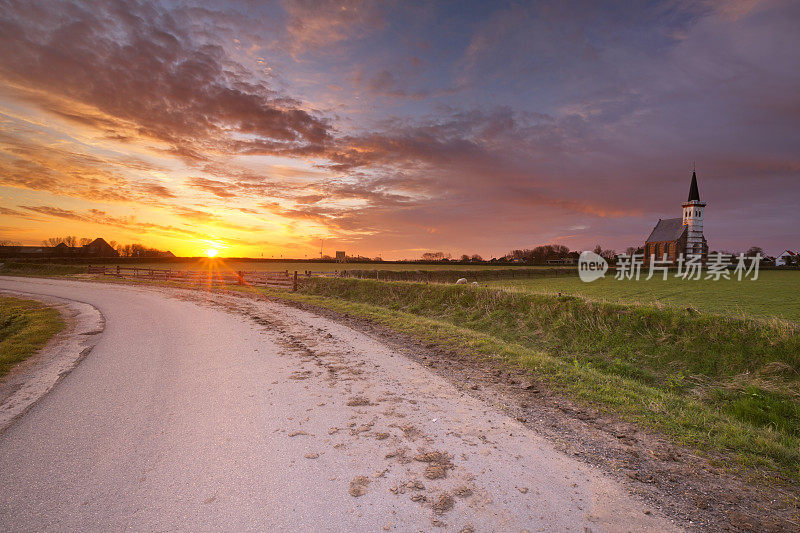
(608, 255)
(85, 240)
(70, 240)
(755, 250)
(540, 254)
(465, 258)
(630, 250)
(477, 258)
(435, 256)
(124, 250)
(53, 241)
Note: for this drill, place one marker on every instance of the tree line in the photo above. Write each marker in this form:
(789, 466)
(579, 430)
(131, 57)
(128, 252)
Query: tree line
(539, 255)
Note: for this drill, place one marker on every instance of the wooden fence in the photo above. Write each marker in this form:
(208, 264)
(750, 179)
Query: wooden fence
(289, 280)
(282, 278)
(450, 276)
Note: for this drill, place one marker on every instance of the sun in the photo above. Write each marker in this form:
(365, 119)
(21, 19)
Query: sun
(212, 252)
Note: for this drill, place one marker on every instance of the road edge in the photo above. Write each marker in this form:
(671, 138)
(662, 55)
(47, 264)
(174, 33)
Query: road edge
(31, 380)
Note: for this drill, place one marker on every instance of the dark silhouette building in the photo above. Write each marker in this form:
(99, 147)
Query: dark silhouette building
(97, 248)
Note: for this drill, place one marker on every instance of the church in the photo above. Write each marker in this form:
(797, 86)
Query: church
(675, 236)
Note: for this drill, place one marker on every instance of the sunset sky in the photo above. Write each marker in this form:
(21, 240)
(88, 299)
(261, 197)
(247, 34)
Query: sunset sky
(399, 127)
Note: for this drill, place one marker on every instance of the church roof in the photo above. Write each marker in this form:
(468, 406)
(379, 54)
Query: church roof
(694, 193)
(669, 229)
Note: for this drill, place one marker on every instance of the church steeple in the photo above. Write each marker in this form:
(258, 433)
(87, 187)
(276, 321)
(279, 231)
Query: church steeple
(693, 210)
(694, 193)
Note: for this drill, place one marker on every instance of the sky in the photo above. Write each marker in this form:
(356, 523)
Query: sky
(280, 129)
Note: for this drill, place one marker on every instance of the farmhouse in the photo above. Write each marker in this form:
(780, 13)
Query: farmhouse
(672, 237)
(788, 257)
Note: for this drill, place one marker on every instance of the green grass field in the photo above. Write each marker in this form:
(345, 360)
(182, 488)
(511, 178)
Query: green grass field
(775, 294)
(25, 327)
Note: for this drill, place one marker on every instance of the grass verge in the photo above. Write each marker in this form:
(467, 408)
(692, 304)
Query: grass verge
(25, 327)
(13, 268)
(717, 384)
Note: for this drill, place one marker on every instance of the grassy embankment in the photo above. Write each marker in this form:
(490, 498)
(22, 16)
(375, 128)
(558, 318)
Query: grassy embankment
(25, 327)
(721, 384)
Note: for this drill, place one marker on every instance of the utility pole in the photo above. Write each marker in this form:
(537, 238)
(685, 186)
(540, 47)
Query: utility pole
(321, 244)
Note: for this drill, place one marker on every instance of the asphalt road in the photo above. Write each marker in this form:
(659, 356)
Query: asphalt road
(202, 412)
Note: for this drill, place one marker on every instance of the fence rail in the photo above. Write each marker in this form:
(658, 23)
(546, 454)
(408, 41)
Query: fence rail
(287, 279)
(450, 276)
(281, 278)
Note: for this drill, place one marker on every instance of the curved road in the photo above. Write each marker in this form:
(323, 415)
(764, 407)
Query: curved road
(206, 412)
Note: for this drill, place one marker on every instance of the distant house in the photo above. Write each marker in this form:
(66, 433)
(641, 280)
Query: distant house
(672, 237)
(788, 257)
(567, 260)
(97, 248)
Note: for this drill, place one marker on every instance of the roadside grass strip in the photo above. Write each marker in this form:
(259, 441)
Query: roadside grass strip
(25, 327)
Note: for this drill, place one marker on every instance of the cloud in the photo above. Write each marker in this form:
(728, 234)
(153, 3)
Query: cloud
(100, 217)
(154, 189)
(526, 120)
(217, 188)
(131, 68)
(385, 83)
(314, 25)
(8, 212)
(36, 160)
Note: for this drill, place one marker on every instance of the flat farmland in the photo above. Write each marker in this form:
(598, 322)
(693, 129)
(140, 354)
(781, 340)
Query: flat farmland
(243, 264)
(775, 294)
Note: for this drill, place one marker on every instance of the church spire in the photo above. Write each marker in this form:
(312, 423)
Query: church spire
(694, 193)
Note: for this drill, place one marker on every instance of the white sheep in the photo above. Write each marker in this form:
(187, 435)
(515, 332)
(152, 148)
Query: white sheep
(474, 283)
(461, 281)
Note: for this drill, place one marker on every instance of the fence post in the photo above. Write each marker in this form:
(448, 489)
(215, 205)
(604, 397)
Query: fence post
(240, 277)
(117, 270)
(294, 282)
